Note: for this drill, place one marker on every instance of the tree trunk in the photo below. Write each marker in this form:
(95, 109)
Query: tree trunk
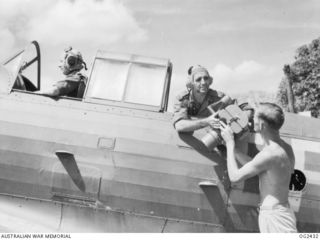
(289, 89)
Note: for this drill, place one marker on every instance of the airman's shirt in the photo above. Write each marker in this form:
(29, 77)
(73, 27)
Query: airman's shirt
(71, 85)
(186, 107)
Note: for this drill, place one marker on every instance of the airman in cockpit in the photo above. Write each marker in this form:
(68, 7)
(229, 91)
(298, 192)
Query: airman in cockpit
(74, 83)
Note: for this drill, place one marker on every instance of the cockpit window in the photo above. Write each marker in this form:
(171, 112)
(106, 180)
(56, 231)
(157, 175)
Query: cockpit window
(13, 64)
(128, 79)
(25, 75)
(145, 84)
(108, 80)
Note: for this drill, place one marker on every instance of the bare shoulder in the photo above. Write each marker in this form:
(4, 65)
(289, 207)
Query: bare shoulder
(280, 152)
(266, 158)
(268, 155)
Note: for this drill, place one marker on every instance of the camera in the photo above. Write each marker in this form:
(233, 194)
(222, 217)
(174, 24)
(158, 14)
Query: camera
(232, 115)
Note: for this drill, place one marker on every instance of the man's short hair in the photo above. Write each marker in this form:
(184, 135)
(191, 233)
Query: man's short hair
(272, 114)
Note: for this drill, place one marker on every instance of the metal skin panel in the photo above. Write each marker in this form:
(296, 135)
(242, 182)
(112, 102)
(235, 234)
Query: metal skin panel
(144, 165)
(175, 198)
(88, 220)
(5, 80)
(312, 161)
(28, 215)
(243, 210)
(119, 161)
(166, 210)
(243, 217)
(308, 215)
(181, 227)
(163, 165)
(33, 215)
(301, 127)
(91, 177)
(147, 173)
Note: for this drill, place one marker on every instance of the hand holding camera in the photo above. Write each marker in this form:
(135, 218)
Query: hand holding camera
(213, 121)
(226, 133)
(232, 121)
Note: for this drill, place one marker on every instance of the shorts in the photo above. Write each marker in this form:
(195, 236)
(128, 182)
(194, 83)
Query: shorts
(277, 219)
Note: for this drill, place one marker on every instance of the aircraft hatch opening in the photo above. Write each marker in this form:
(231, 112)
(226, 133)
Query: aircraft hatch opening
(298, 181)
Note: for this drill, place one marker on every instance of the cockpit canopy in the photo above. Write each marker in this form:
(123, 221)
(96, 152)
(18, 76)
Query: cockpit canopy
(129, 80)
(124, 80)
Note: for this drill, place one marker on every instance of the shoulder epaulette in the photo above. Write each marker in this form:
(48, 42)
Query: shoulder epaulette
(183, 95)
(214, 93)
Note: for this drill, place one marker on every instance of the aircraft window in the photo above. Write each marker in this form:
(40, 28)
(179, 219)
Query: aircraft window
(24, 70)
(108, 79)
(298, 181)
(125, 81)
(14, 64)
(145, 84)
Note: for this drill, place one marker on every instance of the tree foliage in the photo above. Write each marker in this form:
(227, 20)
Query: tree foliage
(304, 74)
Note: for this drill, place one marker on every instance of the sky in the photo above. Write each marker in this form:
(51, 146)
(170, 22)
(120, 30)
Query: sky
(243, 43)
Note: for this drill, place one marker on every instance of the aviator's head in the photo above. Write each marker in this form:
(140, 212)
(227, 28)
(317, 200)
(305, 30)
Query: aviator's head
(268, 116)
(72, 61)
(199, 79)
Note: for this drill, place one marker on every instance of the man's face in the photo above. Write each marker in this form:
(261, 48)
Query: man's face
(202, 82)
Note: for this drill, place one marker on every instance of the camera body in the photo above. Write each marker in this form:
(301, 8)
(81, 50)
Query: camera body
(234, 117)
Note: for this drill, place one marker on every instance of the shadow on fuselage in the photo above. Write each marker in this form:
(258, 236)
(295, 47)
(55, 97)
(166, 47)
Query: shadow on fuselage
(218, 194)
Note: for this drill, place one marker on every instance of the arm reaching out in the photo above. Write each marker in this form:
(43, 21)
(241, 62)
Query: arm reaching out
(259, 163)
(49, 92)
(242, 157)
(187, 125)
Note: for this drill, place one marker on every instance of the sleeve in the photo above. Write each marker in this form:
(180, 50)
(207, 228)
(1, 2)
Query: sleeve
(73, 77)
(64, 87)
(180, 110)
(226, 100)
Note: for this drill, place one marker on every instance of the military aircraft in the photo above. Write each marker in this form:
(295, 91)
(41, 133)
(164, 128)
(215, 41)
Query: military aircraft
(112, 161)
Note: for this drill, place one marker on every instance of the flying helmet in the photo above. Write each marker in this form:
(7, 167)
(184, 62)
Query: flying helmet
(72, 61)
(192, 71)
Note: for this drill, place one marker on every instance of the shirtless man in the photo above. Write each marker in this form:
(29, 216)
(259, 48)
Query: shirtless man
(274, 166)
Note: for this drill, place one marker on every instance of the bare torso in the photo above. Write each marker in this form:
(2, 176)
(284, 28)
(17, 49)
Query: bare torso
(274, 182)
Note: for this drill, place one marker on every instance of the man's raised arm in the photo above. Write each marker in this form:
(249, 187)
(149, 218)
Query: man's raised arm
(261, 162)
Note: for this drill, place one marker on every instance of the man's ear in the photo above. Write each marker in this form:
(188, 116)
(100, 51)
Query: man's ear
(189, 83)
(262, 125)
(211, 80)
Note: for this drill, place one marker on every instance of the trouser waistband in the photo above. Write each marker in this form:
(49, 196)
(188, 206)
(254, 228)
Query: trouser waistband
(276, 206)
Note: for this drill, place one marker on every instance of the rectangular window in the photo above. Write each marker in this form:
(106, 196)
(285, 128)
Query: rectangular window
(145, 84)
(108, 79)
(128, 79)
